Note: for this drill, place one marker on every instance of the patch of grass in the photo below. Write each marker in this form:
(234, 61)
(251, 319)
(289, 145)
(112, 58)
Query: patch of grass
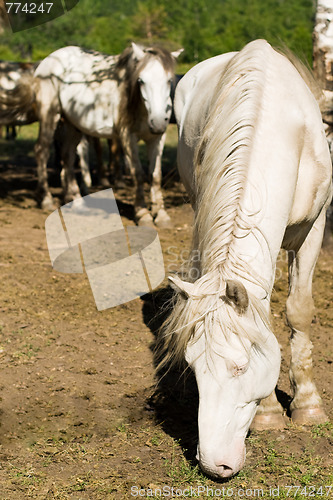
(157, 439)
(184, 473)
(181, 472)
(26, 477)
(123, 428)
(82, 482)
(271, 458)
(27, 350)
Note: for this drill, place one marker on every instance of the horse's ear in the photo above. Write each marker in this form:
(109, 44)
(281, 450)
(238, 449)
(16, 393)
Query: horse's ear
(236, 293)
(177, 53)
(183, 287)
(138, 52)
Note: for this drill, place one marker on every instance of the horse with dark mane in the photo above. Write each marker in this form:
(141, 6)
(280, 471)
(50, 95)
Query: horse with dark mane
(125, 96)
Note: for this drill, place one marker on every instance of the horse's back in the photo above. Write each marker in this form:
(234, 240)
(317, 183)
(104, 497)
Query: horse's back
(288, 151)
(84, 85)
(72, 61)
(192, 105)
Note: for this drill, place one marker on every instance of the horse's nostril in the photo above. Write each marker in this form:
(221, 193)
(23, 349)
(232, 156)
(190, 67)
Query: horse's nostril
(225, 470)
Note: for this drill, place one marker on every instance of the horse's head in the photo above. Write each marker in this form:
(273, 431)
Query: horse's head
(154, 76)
(236, 361)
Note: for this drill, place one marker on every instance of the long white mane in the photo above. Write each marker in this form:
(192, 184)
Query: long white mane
(222, 160)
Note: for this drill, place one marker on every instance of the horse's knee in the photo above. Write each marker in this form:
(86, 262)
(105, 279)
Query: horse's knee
(300, 311)
(38, 149)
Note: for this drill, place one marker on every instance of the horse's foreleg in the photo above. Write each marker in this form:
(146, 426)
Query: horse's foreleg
(83, 153)
(70, 186)
(306, 406)
(155, 150)
(269, 414)
(132, 160)
(328, 233)
(42, 152)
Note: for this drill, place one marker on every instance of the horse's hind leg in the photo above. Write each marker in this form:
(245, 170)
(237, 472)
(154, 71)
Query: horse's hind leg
(42, 152)
(306, 406)
(83, 154)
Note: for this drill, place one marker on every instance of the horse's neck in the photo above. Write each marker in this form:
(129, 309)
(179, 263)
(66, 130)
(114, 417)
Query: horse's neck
(245, 200)
(247, 248)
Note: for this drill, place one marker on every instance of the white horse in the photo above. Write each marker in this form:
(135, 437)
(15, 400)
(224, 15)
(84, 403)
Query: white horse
(126, 96)
(253, 156)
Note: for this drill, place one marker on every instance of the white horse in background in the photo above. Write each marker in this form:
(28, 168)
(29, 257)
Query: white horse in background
(11, 74)
(254, 158)
(125, 96)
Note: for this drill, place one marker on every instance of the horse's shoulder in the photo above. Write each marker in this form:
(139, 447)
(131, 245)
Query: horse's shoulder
(205, 69)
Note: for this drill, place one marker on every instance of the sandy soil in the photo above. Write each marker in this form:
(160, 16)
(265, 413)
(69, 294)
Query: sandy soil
(82, 414)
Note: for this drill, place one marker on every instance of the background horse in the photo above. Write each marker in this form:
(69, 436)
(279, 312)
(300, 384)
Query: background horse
(11, 74)
(126, 96)
(254, 158)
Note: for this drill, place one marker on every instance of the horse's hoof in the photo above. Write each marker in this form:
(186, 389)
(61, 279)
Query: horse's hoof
(84, 190)
(309, 416)
(104, 182)
(119, 183)
(163, 220)
(71, 197)
(145, 220)
(266, 421)
(48, 204)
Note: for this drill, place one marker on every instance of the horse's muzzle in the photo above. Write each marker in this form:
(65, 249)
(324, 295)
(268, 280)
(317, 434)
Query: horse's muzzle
(158, 126)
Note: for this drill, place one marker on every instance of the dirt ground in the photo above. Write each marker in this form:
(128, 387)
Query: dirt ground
(82, 413)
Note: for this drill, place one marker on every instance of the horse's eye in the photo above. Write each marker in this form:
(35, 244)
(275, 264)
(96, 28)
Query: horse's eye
(140, 82)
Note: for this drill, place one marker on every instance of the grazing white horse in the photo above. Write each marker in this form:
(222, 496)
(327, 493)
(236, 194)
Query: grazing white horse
(254, 158)
(126, 96)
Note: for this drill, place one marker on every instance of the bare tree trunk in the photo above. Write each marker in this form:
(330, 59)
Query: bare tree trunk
(323, 71)
(4, 23)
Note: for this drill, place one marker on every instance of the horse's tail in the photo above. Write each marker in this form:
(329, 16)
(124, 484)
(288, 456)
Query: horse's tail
(18, 105)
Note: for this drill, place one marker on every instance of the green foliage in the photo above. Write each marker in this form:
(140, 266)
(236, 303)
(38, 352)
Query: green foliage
(203, 27)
